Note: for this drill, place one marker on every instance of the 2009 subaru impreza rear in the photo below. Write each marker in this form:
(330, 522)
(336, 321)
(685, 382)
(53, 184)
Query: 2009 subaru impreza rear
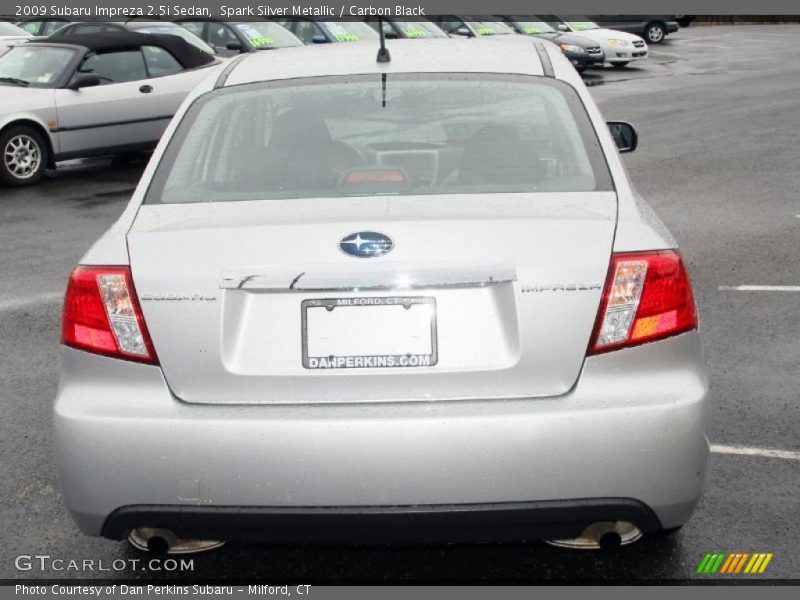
(414, 300)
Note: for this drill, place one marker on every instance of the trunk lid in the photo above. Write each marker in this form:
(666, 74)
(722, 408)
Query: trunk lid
(501, 290)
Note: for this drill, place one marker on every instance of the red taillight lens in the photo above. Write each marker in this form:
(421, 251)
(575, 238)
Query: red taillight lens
(102, 315)
(647, 297)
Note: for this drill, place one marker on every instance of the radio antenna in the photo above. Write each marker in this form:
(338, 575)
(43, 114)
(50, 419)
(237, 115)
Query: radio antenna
(383, 53)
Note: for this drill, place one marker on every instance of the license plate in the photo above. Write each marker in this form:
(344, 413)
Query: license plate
(366, 333)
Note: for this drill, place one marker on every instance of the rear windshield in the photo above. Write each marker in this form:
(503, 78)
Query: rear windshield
(580, 23)
(351, 31)
(266, 34)
(419, 29)
(490, 27)
(176, 30)
(532, 27)
(404, 134)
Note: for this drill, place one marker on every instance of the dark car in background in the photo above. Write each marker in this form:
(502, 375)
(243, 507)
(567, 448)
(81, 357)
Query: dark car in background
(653, 28)
(410, 30)
(134, 26)
(581, 52)
(229, 38)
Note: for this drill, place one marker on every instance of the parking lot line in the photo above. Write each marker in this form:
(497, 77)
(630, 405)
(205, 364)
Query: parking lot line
(16, 303)
(748, 451)
(759, 288)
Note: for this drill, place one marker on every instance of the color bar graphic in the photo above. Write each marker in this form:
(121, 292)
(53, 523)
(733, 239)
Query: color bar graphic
(733, 563)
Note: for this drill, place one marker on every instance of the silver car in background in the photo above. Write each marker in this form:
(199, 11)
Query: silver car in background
(414, 300)
(81, 96)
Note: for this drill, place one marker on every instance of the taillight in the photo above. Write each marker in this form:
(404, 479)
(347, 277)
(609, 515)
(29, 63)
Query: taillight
(102, 315)
(647, 297)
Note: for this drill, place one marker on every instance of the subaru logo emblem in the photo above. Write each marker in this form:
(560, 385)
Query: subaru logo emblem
(366, 244)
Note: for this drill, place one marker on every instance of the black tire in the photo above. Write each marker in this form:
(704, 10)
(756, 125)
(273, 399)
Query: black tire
(23, 156)
(655, 33)
(619, 65)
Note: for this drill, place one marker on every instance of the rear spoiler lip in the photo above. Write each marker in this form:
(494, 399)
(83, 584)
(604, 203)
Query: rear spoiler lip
(360, 277)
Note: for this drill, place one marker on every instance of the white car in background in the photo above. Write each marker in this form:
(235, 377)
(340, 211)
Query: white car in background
(620, 48)
(10, 34)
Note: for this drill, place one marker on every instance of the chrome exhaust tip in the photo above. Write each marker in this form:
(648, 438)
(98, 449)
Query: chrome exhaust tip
(163, 542)
(603, 535)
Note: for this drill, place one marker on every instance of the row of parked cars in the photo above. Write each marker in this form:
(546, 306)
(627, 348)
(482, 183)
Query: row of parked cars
(100, 88)
(653, 28)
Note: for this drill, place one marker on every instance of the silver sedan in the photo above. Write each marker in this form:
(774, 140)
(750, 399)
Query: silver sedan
(413, 300)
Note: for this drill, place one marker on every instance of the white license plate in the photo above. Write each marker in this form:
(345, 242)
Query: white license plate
(365, 333)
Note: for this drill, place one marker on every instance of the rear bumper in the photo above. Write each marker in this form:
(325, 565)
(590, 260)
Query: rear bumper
(385, 524)
(632, 428)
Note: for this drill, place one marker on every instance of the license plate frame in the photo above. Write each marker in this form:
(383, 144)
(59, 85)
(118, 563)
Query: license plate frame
(333, 362)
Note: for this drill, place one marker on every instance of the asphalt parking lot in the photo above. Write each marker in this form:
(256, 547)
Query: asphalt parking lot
(717, 111)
